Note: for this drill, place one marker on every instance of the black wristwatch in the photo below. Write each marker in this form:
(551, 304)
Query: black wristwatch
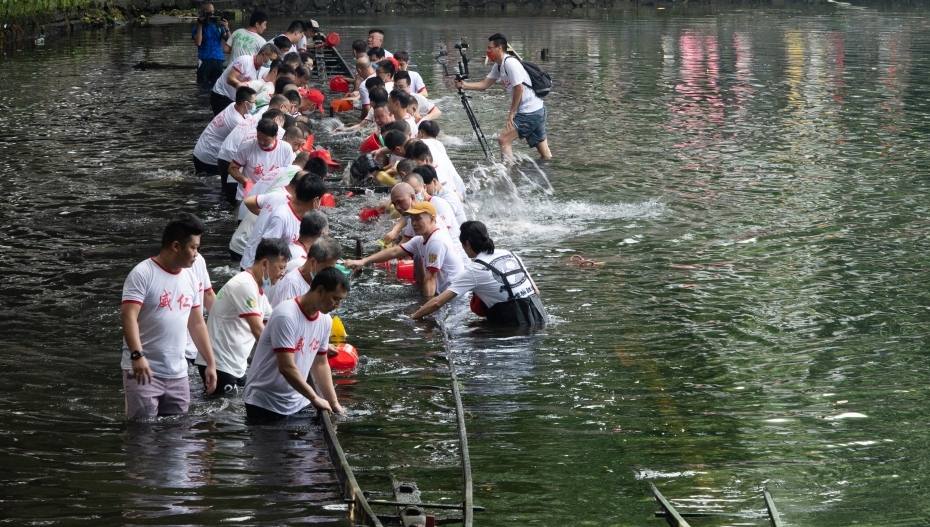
(136, 355)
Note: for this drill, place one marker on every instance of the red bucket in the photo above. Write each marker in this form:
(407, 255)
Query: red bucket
(328, 200)
(405, 270)
(346, 358)
(369, 214)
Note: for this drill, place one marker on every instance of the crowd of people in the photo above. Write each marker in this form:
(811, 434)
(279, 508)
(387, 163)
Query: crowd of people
(269, 327)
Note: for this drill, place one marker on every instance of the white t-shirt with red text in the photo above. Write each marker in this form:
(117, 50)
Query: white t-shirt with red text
(257, 162)
(167, 299)
(289, 330)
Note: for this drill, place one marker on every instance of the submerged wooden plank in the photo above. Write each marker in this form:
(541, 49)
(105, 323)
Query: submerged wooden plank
(361, 512)
(670, 514)
(770, 505)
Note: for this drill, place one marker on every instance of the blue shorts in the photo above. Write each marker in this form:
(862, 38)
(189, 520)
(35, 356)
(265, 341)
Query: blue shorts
(531, 126)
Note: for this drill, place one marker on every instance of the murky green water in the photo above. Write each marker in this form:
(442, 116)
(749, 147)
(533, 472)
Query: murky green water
(755, 182)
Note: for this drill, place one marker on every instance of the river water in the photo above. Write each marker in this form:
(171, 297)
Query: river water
(754, 181)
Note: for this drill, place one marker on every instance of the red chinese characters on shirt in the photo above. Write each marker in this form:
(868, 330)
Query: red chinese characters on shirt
(257, 172)
(184, 302)
(164, 300)
(315, 345)
(299, 347)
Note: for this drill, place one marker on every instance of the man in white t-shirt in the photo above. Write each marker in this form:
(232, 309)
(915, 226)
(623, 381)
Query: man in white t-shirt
(429, 133)
(294, 345)
(527, 116)
(239, 135)
(240, 71)
(248, 40)
(211, 139)
(416, 86)
(161, 303)
(376, 40)
(363, 72)
(284, 220)
(445, 212)
(322, 254)
(238, 316)
(426, 108)
(432, 186)
(294, 34)
(260, 156)
(440, 257)
(313, 226)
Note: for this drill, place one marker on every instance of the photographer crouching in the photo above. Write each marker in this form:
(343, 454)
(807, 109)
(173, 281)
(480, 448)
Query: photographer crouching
(209, 33)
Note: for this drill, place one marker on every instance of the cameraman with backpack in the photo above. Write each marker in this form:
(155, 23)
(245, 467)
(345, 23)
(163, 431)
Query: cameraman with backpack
(527, 116)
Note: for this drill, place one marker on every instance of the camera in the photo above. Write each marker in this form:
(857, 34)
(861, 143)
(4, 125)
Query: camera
(461, 46)
(216, 18)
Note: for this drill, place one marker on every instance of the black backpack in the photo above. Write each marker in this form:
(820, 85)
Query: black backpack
(541, 81)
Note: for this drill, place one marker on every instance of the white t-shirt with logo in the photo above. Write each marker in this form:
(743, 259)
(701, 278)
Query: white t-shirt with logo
(289, 330)
(244, 42)
(293, 284)
(283, 222)
(266, 203)
(204, 284)
(245, 65)
(256, 162)
(211, 139)
(438, 254)
(482, 282)
(230, 335)
(167, 299)
(448, 175)
(240, 134)
(512, 73)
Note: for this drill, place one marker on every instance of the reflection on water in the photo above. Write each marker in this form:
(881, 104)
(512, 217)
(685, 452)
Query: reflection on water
(753, 181)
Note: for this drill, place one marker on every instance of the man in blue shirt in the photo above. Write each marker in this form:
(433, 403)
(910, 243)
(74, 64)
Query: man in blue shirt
(209, 34)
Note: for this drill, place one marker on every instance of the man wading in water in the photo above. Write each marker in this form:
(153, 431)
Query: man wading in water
(527, 117)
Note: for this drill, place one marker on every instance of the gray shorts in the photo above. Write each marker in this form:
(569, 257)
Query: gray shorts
(531, 126)
(159, 397)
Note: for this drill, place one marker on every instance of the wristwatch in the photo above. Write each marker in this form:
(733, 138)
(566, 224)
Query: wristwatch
(136, 355)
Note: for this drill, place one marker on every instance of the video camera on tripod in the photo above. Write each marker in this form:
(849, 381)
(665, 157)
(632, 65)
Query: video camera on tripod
(461, 75)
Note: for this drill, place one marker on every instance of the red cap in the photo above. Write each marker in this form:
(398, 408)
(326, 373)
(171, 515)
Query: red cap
(325, 156)
(339, 84)
(316, 97)
(370, 145)
(394, 62)
(308, 144)
(333, 39)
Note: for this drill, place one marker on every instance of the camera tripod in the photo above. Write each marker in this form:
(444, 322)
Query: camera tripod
(462, 75)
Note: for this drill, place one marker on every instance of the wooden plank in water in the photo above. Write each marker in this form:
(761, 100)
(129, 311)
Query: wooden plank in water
(668, 510)
(361, 512)
(770, 505)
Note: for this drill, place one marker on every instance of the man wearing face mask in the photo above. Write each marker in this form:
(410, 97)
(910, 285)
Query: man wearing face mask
(237, 318)
(323, 254)
(239, 72)
(211, 139)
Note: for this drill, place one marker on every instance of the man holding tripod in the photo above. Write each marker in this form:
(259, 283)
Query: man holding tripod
(527, 116)
(209, 34)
